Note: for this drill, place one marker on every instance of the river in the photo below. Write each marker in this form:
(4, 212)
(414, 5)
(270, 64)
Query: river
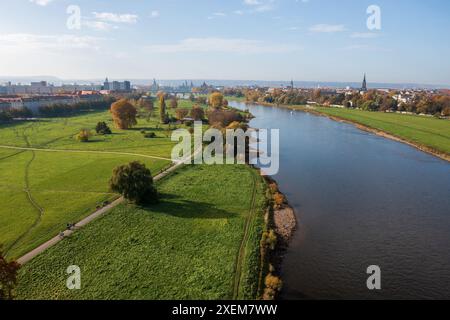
(360, 200)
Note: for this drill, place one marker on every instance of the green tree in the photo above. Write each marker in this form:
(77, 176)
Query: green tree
(102, 128)
(135, 182)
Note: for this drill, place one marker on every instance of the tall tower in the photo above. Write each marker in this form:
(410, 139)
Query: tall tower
(364, 84)
(292, 84)
(106, 84)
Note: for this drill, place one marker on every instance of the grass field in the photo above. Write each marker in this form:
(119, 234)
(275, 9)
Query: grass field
(427, 131)
(186, 247)
(42, 191)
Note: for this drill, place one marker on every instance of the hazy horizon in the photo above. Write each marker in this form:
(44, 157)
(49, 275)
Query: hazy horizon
(222, 82)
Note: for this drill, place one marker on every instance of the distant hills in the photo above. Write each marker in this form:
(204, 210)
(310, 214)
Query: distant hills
(229, 83)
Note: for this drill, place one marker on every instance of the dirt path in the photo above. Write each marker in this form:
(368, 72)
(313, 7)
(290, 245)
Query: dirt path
(242, 249)
(84, 151)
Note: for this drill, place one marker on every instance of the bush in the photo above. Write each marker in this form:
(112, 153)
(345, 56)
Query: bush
(273, 282)
(269, 239)
(134, 182)
(84, 135)
(102, 128)
(197, 113)
(150, 135)
(279, 199)
(224, 117)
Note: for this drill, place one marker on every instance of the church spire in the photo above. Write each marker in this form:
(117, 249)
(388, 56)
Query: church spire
(364, 84)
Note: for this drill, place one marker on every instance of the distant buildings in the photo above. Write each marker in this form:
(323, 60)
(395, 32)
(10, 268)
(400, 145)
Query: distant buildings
(35, 102)
(117, 86)
(39, 94)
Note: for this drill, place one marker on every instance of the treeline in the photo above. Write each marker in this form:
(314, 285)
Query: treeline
(372, 100)
(7, 115)
(63, 110)
(276, 96)
(420, 103)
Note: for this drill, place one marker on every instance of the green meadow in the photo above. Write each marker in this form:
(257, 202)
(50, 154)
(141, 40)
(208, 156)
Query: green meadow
(186, 247)
(65, 180)
(427, 131)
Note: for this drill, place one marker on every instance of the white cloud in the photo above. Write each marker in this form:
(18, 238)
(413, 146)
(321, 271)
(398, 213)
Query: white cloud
(363, 35)
(27, 41)
(327, 28)
(99, 25)
(221, 45)
(219, 14)
(252, 2)
(155, 14)
(260, 6)
(117, 18)
(41, 2)
(239, 12)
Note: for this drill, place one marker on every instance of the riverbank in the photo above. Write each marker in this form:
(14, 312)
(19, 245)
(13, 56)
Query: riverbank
(435, 143)
(364, 127)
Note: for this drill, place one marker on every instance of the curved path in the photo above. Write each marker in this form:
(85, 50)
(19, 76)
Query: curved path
(83, 151)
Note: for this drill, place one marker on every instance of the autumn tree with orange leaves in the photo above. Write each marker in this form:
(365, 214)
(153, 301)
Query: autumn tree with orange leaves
(124, 114)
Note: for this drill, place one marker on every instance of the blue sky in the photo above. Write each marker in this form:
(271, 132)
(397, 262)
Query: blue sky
(316, 40)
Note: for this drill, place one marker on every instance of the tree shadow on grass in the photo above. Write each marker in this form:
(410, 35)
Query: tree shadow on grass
(188, 209)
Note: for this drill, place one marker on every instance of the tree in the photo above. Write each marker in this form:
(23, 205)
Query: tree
(197, 113)
(84, 135)
(124, 114)
(162, 108)
(134, 181)
(8, 277)
(146, 104)
(216, 100)
(174, 103)
(181, 113)
(102, 128)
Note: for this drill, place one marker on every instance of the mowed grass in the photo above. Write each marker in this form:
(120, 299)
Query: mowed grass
(427, 131)
(65, 186)
(60, 133)
(182, 248)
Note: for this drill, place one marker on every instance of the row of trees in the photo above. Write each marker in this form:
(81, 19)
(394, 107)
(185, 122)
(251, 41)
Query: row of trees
(62, 110)
(9, 114)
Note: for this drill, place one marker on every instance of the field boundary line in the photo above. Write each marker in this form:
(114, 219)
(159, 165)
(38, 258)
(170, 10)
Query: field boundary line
(84, 151)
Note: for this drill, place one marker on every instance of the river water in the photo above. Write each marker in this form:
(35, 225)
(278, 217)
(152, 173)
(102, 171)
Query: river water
(360, 200)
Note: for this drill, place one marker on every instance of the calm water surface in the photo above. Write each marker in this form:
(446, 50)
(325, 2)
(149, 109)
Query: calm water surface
(360, 200)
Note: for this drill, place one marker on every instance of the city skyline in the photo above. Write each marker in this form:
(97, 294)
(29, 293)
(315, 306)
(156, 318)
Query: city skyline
(307, 40)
